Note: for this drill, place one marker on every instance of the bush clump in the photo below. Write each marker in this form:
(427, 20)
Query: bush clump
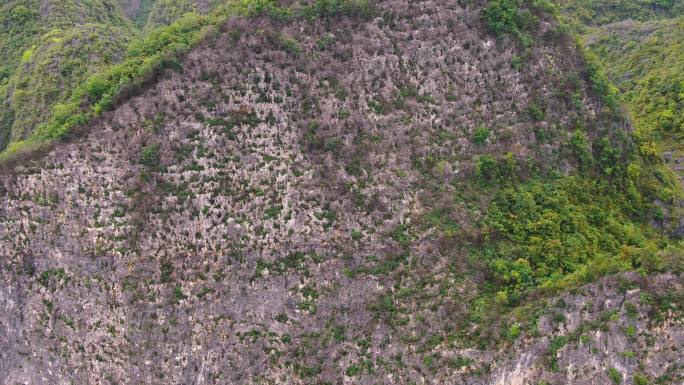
(508, 17)
(544, 234)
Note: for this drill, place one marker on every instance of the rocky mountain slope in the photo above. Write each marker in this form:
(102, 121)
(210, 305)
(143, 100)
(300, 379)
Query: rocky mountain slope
(385, 194)
(648, 67)
(49, 48)
(602, 12)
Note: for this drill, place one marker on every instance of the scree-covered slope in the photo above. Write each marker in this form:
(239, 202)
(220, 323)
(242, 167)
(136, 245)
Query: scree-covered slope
(386, 193)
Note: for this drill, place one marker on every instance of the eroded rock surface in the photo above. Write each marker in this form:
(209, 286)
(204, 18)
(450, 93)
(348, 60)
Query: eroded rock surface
(257, 217)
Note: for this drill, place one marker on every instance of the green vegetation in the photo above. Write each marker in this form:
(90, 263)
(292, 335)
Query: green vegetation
(481, 135)
(580, 148)
(614, 376)
(535, 112)
(21, 23)
(143, 59)
(35, 86)
(149, 155)
(598, 12)
(166, 12)
(652, 53)
(460, 362)
(40, 53)
(101, 91)
(569, 230)
(551, 232)
(508, 17)
(640, 379)
(600, 83)
(555, 345)
(299, 262)
(142, 13)
(51, 274)
(178, 294)
(103, 84)
(644, 60)
(518, 18)
(640, 64)
(332, 8)
(166, 269)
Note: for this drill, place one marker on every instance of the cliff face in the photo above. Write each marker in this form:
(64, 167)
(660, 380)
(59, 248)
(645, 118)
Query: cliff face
(263, 215)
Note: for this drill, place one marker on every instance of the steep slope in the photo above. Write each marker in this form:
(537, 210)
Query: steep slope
(23, 21)
(647, 64)
(46, 48)
(150, 14)
(48, 71)
(643, 59)
(602, 12)
(308, 201)
(137, 10)
(165, 12)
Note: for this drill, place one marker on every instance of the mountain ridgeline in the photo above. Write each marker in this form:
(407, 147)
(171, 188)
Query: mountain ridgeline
(332, 192)
(51, 47)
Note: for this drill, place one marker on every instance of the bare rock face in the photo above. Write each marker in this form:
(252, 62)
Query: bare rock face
(256, 218)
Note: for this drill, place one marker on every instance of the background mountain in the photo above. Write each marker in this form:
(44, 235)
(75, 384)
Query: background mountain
(323, 192)
(50, 47)
(47, 48)
(584, 13)
(644, 60)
